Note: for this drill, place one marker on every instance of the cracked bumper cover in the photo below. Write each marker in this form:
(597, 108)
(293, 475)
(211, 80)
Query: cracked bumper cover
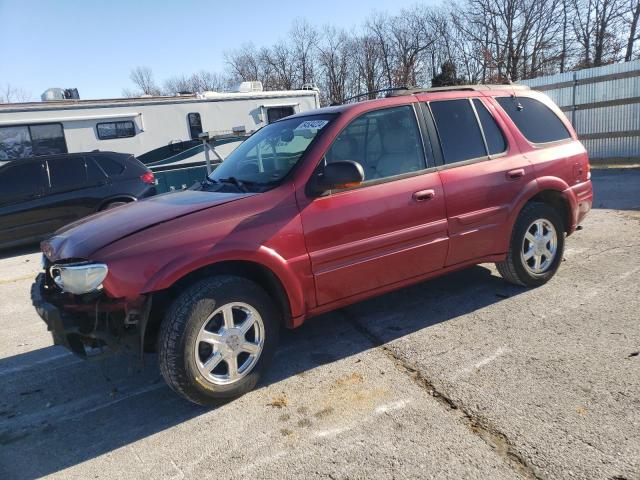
(73, 329)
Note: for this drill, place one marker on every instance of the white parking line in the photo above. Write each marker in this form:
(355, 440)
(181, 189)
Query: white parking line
(391, 407)
(35, 363)
(485, 361)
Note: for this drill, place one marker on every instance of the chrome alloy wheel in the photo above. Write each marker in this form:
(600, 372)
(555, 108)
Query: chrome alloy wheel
(539, 246)
(229, 343)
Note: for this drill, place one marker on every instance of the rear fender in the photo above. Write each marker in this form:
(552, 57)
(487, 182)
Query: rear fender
(529, 191)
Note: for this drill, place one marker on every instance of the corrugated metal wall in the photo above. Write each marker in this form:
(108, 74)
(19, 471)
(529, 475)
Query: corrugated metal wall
(603, 105)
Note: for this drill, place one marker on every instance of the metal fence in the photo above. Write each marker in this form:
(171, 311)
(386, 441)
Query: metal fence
(603, 104)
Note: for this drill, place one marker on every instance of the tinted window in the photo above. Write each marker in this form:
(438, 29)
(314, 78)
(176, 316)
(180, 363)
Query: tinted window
(492, 133)
(195, 125)
(276, 113)
(20, 181)
(94, 174)
(458, 130)
(385, 142)
(110, 166)
(110, 130)
(535, 120)
(67, 174)
(15, 142)
(47, 139)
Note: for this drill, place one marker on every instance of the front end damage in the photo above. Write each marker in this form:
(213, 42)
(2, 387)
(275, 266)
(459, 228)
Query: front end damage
(91, 325)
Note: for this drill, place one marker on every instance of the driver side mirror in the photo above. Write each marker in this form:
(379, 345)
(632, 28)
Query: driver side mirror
(342, 174)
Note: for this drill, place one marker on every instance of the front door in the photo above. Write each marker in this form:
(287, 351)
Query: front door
(23, 212)
(390, 228)
(482, 175)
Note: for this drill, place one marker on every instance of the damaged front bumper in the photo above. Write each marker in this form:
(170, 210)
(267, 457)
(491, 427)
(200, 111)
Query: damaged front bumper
(91, 325)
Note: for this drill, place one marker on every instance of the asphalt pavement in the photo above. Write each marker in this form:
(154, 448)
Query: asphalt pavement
(464, 376)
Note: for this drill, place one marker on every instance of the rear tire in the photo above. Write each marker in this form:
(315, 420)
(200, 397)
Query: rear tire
(208, 352)
(536, 247)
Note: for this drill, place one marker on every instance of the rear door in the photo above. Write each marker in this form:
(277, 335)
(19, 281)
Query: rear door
(23, 211)
(73, 191)
(482, 174)
(389, 229)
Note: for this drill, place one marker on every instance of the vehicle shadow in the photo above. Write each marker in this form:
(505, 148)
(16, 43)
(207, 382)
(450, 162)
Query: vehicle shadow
(57, 411)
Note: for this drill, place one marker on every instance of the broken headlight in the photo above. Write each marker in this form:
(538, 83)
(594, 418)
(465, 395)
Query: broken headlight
(79, 278)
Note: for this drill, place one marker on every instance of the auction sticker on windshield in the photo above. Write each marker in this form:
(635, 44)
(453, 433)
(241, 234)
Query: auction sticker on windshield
(312, 125)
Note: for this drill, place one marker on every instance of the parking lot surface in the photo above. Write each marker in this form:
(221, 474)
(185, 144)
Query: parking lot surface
(459, 377)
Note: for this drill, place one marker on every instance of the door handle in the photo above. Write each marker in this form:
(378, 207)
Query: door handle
(515, 174)
(423, 195)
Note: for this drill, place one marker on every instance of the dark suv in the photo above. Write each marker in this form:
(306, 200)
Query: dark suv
(312, 213)
(41, 194)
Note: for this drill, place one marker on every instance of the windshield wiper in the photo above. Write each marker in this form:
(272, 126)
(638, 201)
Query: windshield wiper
(241, 184)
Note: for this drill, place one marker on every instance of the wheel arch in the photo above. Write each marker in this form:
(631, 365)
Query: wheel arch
(552, 191)
(558, 201)
(116, 198)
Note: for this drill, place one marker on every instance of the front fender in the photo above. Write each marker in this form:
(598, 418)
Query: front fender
(288, 272)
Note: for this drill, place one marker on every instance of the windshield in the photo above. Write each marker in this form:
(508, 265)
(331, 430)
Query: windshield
(268, 155)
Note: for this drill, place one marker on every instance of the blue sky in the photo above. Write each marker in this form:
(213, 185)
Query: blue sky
(93, 45)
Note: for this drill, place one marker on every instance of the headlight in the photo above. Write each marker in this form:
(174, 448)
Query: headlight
(78, 279)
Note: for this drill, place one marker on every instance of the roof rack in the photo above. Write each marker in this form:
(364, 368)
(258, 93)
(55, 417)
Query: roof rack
(471, 88)
(402, 91)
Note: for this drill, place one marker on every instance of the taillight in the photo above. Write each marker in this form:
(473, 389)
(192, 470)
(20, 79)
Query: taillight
(148, 178)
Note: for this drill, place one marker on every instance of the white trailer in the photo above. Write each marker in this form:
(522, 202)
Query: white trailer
(160, 130)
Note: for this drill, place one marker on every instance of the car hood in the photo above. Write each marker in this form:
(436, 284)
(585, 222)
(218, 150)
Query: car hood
(80, 239)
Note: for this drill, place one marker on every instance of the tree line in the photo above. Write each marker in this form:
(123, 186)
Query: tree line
(474, 41)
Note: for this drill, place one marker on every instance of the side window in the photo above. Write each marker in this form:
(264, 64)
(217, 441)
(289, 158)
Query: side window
(110, 166)
(67, 174)
(48, 139)
(195, 125)
(15, 142)
(458, 130)
(276, 113)
(94, 174)
(111, 130)
(20, 181)
(534, 119)
(492, 133)
(385, 142)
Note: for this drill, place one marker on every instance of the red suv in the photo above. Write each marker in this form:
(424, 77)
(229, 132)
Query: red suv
(312, 213)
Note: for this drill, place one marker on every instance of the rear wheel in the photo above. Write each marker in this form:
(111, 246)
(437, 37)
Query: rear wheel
(217, 339)
(537, 246)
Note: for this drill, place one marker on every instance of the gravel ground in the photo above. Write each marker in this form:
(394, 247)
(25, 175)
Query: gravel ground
(460, 377)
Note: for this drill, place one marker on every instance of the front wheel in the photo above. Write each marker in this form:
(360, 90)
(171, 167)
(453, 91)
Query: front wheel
(217, 339)
(536, 248)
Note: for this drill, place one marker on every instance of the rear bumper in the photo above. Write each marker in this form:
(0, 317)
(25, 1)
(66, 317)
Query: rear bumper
(581, 199)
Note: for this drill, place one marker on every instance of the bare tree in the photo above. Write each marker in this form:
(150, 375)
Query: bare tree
(204, 81)
(11, 94)
(631, 19)
(335, 58)
(304, 41)
(595, 25)
(142, 77)
(369, 64)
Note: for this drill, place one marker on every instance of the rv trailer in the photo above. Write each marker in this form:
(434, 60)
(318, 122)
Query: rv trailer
(161, 131)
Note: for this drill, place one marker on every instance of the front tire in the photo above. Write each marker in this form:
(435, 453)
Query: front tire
(217, 339)
(536, 248)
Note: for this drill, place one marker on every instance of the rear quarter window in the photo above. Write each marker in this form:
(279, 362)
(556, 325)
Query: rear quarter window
(110, 166)
(537, 122)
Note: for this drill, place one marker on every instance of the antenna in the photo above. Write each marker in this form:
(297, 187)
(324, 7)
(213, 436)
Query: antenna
(519, 106)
